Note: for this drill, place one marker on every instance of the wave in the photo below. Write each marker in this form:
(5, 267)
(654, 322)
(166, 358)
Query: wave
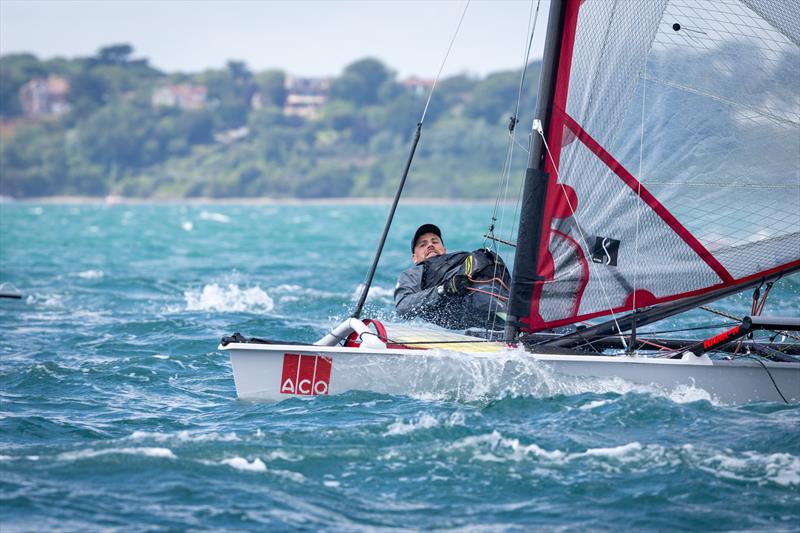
(381, 294)
(231, 298)
(447, 375)
(424, 421)
(240, 463)
(750, 466)
(164, 453)
(90, 274)
(215, 217)
(184, 436)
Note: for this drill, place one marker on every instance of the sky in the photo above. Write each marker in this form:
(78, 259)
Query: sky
(304, 38)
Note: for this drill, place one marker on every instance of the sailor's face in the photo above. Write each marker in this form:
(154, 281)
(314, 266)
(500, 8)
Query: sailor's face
(428, 245)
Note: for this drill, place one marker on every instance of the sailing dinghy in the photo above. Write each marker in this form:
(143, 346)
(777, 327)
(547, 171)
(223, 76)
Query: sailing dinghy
(663, 174)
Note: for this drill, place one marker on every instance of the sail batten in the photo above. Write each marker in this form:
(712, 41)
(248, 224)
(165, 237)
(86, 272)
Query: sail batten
(673, 155)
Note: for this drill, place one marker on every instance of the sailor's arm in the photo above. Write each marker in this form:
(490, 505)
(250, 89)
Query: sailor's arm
(411, 299)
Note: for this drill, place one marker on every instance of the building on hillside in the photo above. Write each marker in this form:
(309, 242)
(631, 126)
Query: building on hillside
(305, 96)
(417, 86)
(44, 97)
(182, 95)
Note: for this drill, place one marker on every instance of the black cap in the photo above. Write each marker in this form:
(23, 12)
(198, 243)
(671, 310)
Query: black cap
(422, 230)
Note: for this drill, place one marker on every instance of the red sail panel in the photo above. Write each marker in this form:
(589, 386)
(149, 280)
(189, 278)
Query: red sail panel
(673, 155)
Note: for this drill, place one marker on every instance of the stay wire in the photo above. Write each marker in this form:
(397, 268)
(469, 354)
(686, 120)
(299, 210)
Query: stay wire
(517, 208)
(738, 319)
(417, 133)
(585, 242)
(514, 120)
(760, 362)
(505, 177)
(444, 61)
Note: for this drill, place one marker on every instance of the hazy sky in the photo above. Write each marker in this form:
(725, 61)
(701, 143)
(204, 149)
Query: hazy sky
(303, 37)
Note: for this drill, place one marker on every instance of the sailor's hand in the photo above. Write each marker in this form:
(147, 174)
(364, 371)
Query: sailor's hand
(456, 286)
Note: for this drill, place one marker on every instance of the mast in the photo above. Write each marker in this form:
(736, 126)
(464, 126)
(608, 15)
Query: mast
(534, 193)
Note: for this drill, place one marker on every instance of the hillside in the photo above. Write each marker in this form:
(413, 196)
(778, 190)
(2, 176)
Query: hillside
(111, 124)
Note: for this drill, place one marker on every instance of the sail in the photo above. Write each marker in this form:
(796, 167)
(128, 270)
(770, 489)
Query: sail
(672, 154)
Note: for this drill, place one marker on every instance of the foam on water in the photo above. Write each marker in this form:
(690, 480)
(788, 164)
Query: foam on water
(164, 453)
(184, 436)
(240, 463)
(480, 377)
(782, 469)
(231, 298)
(215, 217)
(91, 274)
(399, 427)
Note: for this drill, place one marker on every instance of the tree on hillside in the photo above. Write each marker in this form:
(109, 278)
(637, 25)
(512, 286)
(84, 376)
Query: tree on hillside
(494, 97)
(115, 54)
(361, 82)
(455, 90)
(111, 73)
(15, 71)
(272, 86)
(230, 90)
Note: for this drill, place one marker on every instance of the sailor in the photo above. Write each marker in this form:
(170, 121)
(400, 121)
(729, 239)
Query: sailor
(455, 290)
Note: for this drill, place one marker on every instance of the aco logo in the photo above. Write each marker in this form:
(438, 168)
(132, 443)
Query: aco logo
(306, 375)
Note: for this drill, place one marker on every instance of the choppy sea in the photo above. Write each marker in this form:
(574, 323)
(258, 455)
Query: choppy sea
(118, 412)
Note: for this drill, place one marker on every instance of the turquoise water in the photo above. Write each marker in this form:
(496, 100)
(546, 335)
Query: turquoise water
(118, 412)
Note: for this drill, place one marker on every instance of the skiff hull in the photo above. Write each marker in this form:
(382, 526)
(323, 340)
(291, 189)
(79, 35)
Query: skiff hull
(277, 372)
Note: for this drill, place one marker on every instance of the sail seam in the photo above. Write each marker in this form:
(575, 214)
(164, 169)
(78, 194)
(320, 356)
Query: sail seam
(759, 111)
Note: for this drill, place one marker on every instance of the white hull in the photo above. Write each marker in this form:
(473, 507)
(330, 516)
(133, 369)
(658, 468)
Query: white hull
(276, 372)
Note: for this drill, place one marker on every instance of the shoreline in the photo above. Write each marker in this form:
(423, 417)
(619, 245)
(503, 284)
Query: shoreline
(115, 200)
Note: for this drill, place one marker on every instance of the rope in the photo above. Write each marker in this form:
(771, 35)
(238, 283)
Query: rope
(583, 237)
(738, 319)
(696, 328)
(493, 295)
(759, 361)
(505, 176)
(441, 67)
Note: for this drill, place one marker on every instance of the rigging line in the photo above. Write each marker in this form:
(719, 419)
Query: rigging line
(720, 313)
(585, 242)
(731, 103)
(417, 133)
(695, 328)
(521, 146)
(531, 30)
(506, 172)
(764, 298)
(738, 319)
(759, 361)
(636, 254)
(505, 179)
(441, 67)
(512, 134)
